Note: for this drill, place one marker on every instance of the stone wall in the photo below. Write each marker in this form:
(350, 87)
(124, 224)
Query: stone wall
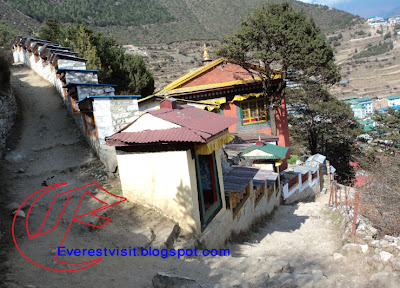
(8, 112)
(84, 91)
(110, 114)
(81, 77)
(123, 112)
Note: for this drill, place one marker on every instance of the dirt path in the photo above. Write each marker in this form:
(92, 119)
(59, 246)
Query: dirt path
(50, 150)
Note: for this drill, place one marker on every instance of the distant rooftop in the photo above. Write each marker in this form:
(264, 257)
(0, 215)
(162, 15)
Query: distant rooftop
(112, 96)
(76, 70)
(393, 97)
(394, 107)
(356, 100)
(89, 84)
(266, 151)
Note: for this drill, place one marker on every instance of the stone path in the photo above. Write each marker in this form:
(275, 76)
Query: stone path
(293, 249)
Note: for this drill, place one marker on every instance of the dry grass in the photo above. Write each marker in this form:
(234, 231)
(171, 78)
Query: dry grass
(381, 199)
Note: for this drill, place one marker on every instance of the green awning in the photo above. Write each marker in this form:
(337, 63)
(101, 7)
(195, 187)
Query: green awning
(267, 152)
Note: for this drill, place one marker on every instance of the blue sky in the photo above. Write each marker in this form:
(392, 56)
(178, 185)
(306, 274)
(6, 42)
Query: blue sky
(364, 8)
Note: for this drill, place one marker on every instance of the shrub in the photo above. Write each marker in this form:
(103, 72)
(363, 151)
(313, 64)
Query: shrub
(374, 50)
(387, 35)
(292, 159)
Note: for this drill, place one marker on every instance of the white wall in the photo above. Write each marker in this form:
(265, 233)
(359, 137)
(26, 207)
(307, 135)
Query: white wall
(302, 190)
(164, 180)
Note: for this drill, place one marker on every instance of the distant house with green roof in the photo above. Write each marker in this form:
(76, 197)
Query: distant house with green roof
(360, 106)
(368, 124)
(393, 20)
(392, 101)
(265, 151)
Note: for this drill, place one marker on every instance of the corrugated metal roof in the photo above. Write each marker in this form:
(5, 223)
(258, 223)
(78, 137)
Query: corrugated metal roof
(76, 70)
(113, 96)
(260, 174)
(89, 84)
(71, 57)
(312, 163)
(233, 150)
(254, 136)
(150, 136)
(393, 97)
(62, 51)
(317, 157)
(301, 169)
(240, 176)
(197, 126)
(196, 119)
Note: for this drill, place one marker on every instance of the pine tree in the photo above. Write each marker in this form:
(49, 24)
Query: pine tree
(324, 125)
(277, 37)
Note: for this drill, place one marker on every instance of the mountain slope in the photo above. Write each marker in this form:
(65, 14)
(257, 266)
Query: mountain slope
(374, 75)
(17, 20)
(167, 21)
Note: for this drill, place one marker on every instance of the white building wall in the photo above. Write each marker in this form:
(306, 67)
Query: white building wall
(393, 102)
(162, 180)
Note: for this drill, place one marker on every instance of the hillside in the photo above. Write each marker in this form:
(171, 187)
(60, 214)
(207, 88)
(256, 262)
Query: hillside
(167, 21)
(16, 20)
(370, 68)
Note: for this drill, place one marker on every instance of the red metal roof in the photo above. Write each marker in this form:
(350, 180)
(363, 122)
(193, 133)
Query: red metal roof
(154, 136)
(197, 126)
(196, 119)
(224, 72)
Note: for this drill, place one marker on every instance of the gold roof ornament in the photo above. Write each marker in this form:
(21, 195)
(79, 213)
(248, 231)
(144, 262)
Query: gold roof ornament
(206, 57)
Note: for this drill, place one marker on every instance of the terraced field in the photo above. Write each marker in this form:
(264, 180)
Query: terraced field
(376, 76)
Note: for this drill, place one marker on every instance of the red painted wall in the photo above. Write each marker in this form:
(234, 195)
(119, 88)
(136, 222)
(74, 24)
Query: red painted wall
(230, 109)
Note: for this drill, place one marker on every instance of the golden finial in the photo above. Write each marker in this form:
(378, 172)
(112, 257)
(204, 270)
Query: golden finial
(206, 57)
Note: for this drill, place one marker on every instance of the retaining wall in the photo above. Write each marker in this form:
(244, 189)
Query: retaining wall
(110, 114)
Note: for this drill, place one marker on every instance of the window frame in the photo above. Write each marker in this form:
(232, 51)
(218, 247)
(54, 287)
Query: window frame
(248, 111)
(206, 216)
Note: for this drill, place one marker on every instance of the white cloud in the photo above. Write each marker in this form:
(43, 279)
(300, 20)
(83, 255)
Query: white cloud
(325, 2)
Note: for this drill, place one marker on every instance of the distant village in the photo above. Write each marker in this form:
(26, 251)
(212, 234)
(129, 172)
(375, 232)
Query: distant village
(364, 108)
(377, 21)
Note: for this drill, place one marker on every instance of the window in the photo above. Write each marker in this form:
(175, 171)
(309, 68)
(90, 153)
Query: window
(208, 184)
(253, 111)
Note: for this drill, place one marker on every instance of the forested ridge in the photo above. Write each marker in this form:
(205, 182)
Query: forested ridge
(167, 21)
(95, 12)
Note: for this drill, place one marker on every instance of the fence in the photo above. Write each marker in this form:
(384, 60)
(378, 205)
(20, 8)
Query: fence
(336, 200)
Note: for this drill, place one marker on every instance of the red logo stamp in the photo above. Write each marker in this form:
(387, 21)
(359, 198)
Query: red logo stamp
(77, 216)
